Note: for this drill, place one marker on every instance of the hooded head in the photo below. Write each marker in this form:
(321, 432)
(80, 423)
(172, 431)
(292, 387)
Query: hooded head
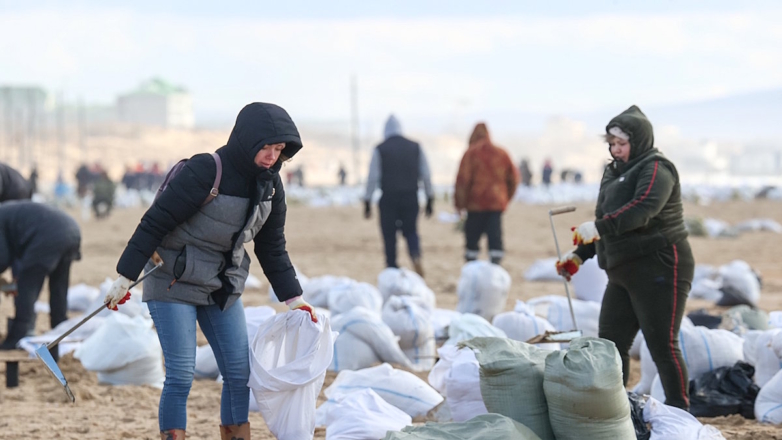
(260, 124)
(633, 124)
(392, 128)
(480, 134)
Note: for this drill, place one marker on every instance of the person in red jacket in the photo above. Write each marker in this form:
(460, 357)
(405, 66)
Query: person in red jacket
(485, 184)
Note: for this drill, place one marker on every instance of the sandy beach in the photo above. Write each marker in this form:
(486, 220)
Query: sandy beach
(338, 241)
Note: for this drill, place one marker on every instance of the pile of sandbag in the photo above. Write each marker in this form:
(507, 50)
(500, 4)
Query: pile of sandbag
(403, 282)
(81, 296)
(483, 289)
(316, 291)
(456, 376)
(441, 321)
(124, 351)
(543, 270)
(468, 326)
(557, 311)
(731, 284)
(522, 324)
(364, 340)
(358, 415)
(399, 388)
(345, 296)
(411, 321)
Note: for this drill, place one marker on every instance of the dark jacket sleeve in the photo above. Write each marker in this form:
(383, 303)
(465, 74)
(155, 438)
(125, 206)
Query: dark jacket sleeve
(585, 251)
(653, 189)
(270, 249)
(180, 201)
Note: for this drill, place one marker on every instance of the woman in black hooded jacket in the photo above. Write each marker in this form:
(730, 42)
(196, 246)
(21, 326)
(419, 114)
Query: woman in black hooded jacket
(205, 265)
(640, 241)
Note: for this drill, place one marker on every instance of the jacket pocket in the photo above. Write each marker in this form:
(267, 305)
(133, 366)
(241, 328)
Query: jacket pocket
(201, 267)
(666, 257)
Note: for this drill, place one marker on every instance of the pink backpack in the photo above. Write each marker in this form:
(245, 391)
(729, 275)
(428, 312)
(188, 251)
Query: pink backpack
(181, 164)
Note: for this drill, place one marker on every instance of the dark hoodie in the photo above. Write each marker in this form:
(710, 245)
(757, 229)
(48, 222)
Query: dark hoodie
(258, 124)
(639, 207)
(13, 186)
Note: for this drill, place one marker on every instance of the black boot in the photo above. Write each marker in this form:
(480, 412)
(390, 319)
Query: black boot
(16, 331)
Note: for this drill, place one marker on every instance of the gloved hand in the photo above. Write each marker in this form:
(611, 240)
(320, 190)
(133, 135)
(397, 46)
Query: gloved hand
(367, 209)
(299, 303)
(568, 265)
(585, 233)
(429, 207)
(117, 293)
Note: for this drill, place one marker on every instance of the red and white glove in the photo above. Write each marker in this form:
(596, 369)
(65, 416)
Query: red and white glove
(568, 265)
(118, 293)
(299, 303)
(585, 233)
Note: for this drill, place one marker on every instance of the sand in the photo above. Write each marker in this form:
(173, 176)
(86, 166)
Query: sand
(337, 241)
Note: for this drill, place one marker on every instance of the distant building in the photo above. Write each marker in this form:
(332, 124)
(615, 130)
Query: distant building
(157, 103)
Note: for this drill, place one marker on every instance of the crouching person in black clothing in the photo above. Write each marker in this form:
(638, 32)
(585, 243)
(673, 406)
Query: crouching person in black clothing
(640, 241)
(36, 241)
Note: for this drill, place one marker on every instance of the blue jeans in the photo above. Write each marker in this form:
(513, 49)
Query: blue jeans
(226, 332)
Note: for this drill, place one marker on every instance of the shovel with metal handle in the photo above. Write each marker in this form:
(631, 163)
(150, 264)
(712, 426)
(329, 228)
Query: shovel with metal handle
(45, 356)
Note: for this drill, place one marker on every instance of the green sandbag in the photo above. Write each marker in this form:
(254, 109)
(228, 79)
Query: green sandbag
(754, 319)
(585, 394)
(512, 381)
(486, 426)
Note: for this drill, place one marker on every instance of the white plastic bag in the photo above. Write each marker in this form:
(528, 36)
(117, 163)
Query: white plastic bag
(457, 377)
(412, 323)
(206, 364)
(81, 296)
(521, 325)
(739, 278)
(364, 340)
(255, 316)
(361, 415)
(124, 351)
(469, 326)
(400, 388)
(288, 360)
(557, 311)
(345, 296)
(483, 289)
(404, 282)
(316, 291)
(671, 423)
(768, 405)
(543, 270)
(767, 354)
(589, 283)
(441, 320)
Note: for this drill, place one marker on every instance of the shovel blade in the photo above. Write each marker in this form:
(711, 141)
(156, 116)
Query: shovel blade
(43, 354)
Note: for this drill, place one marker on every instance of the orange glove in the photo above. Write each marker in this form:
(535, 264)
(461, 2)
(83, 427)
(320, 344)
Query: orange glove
(585, 233)
(568, 265)
(299, 303)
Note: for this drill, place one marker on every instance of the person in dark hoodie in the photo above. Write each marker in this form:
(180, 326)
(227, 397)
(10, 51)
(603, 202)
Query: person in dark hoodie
(397, 166)
(13, 186)
(36, 241)
(640, 241)
(205, 265)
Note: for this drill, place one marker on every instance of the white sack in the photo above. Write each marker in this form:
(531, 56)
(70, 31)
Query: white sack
(404, 282)
(739, 277)
(81, 296)
(706, 288)
(254, 317)
(205, 363)
(316, 291)
(400, 388)
(589, 283)
(441, 320)
(556, 310)
(483, 289)
(671, 423)
(346, 296)
(288, 360)
(70, 342)
(457, 377)
(522, 325)
(768, 405)
(362, 415)
(469, 326)
(635, 349)
(363, 341)
(412, 323)
(124, 351)
(543, 270)
(767, 354)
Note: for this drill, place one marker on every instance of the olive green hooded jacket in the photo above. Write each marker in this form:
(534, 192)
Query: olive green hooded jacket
(639, 207)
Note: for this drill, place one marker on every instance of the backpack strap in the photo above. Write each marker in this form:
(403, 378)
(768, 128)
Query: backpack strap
(218, 177)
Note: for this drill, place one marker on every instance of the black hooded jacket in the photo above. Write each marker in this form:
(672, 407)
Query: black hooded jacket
(639, 207)
(258, 124)
(13, 186)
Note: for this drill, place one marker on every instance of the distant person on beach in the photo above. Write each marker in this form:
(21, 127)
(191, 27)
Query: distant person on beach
(547, 171)
(640, 240)
(525, 173)
(342, 175)
(200, 235)
(36, 241)
(397, 167)
(103, 195)
(13, 186)
(485, 184)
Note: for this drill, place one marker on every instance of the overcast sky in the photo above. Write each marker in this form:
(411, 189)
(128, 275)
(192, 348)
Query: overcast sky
(413, 57)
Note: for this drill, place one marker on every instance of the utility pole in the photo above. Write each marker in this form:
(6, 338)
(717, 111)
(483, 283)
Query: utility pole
(354, 128)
